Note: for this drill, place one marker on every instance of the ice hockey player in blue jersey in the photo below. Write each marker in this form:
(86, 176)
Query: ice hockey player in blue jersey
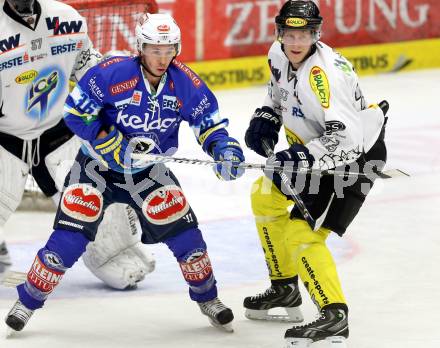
(127, 104)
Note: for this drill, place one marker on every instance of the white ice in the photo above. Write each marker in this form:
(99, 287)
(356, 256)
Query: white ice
(388, 260)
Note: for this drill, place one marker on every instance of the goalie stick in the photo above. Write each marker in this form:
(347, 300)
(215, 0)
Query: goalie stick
(144, 158)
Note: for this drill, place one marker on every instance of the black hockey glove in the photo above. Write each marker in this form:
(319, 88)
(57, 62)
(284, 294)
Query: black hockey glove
(265, 124)
(296, 156)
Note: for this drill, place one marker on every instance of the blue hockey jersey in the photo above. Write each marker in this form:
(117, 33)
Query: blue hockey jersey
(114, 92)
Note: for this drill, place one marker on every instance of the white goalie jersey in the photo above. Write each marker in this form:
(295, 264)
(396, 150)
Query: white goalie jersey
(36, 64)
(322, 106)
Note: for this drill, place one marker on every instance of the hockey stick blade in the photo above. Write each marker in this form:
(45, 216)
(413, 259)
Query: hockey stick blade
(143, 158)
(392, 173)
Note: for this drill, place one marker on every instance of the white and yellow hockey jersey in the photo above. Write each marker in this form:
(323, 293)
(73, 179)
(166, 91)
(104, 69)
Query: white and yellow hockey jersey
(36, 63)
(322, 106)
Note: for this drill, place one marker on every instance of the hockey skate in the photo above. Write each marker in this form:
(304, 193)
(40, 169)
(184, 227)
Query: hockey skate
(332, 326)
(219, 315)
(286, 296)
(18, 316)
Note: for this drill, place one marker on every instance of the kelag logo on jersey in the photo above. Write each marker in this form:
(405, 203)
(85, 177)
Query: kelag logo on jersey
(10, 43)
(146, 123)
(61, 28)
(43, 92)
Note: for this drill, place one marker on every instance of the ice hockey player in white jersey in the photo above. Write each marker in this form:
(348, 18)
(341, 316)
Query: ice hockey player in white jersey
(43, 45)
(314, 93)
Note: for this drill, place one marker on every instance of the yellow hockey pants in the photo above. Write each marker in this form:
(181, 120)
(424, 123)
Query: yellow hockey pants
(291, 247)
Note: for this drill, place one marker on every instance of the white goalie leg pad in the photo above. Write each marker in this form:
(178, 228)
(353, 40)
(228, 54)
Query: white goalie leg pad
(13, 175)
(59, 161)
(126, 269)
(5, 258)
(117, 256)
(2, 234)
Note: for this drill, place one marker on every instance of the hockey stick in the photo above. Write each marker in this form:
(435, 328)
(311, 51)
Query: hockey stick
(145, 157)
(12, 279)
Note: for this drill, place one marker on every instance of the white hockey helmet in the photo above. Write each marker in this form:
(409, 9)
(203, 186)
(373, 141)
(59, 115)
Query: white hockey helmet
(158, 29)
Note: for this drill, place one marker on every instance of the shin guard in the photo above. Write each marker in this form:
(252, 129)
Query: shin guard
(61, 251)
(189, 249)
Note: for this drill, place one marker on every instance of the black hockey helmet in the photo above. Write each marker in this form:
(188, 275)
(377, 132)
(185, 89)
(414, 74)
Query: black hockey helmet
(22, 7)
(297, 14)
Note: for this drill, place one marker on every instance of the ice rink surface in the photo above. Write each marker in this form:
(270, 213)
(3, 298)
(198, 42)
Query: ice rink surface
(388, 260)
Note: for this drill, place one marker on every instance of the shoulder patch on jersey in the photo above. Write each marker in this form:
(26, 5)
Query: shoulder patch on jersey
(124, 86)
(320, 86)
(111, 61)
(197, 82)
(343, 64)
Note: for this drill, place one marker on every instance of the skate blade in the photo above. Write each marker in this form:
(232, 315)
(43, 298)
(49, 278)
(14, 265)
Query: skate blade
(293, 315)
(226, 327)
(337, 342)
(298, 342)
(332, 342)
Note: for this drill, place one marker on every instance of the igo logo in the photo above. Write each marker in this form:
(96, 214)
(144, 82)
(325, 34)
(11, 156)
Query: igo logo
(43, 92)
(39, 93)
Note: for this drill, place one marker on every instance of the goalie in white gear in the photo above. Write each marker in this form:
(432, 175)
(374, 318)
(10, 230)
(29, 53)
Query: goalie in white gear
(45, 46)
